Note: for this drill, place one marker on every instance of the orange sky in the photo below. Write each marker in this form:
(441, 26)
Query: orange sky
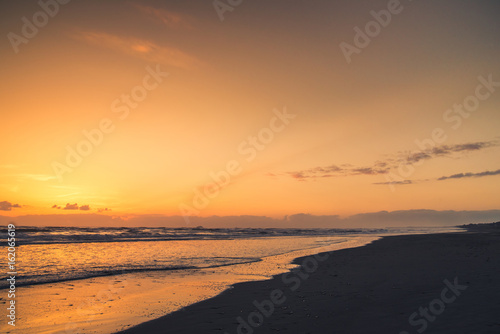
(265, 98)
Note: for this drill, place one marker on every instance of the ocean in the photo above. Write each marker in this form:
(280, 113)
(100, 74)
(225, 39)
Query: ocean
(55, 254)
(159, 270)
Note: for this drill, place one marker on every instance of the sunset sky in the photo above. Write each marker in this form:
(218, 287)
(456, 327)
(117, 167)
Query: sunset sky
(261, 96)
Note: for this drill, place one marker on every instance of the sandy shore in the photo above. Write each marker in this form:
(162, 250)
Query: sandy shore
(107, 304)
(442, 283)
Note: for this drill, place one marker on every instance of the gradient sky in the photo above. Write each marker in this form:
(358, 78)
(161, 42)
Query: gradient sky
(354, 129)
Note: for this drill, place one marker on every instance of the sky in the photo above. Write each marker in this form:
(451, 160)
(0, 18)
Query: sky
(122, 110)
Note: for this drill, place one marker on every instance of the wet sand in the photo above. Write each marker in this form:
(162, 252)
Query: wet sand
(103, 305)
(440, 283)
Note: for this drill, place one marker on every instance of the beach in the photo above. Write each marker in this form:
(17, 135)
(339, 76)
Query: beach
(436, 283)
(70, 280)
(246, 167)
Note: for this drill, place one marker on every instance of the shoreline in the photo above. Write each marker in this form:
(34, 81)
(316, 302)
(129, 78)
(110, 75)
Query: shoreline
(379, 287)
(106, 304)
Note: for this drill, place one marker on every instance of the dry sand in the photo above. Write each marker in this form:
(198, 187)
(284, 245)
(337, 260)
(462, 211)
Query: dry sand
(446, 283)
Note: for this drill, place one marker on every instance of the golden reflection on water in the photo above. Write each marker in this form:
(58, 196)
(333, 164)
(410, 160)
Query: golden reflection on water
(79, 260)
(108, 304)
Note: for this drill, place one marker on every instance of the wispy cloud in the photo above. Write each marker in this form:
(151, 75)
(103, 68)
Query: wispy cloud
(390, 162)
(342, 170)
(395, 182)
(67, 195)
(165, 17)
(466, 175)
(10, 187)
(449, 150)
(37, 177)
(442, 178)
(141, 48)
(31, 176)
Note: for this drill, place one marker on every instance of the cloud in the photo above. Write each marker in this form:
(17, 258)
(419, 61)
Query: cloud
(466, 175)
(7, 206)
(422, 218)
(395, 182)
(103, 210)
(71, 206)
(391, 162)
(469, 147)
(168, 18)
(30, 176)
(416, 218)
(140, 48)
(336, 171)
(445, 150)
(70, 194)
(442, 178)
(298, 175)
(37, 177)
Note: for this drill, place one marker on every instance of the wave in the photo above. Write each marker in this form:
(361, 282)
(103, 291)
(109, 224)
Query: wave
(25, 280)
(58, 254)
(29, 235)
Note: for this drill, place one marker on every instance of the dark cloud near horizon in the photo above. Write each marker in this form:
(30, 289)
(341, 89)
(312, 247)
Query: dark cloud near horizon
(381, 219)
(384, 166)
(103, 210)
(8, 206)
(73, 207)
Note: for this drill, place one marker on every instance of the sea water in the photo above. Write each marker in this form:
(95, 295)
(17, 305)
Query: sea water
(100, 280)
